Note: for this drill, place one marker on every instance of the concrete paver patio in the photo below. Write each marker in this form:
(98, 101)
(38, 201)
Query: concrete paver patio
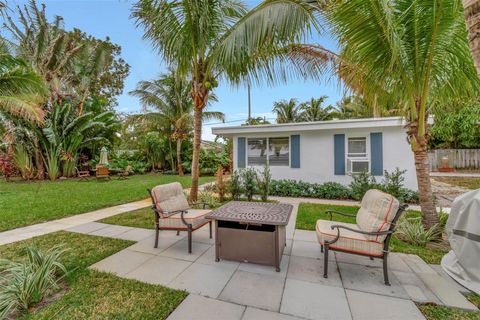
(233, 290)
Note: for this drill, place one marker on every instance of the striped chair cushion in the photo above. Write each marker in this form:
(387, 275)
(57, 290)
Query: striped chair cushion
(169, 198)
(376, 212)
(349, 240)
(195, 217)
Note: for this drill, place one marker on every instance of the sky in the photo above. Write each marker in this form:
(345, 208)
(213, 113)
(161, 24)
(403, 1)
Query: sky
(111, 18)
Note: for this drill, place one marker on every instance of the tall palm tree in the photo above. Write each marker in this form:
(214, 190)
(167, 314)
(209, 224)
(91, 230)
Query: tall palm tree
(352, 106)
(415, 52)
(220, 39)
(170, 96)
(472, 18)
(287, 111)
(313, 110)
(21, 89)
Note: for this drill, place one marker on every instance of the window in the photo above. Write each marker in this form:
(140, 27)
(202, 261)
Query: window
(357, 147)
(278, 152)
(268, 151)
(257, 152)
(357, 159)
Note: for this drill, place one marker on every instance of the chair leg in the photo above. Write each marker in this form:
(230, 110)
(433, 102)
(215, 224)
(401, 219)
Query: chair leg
(189, 238)
(210, 228)
(321, 248)
(371, 258)
(157, 231)
(325, 261)
(385, 269)
(178, 232)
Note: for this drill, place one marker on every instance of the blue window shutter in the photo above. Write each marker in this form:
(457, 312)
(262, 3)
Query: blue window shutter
(295, 151)
(376, 151)
(241, 152)
(339, 153)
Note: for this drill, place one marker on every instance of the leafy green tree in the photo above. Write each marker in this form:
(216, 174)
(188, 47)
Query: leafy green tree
(457, 125)
(313, 110)
(169, 96)
(412, 51)
(287, 111)
(213, 40)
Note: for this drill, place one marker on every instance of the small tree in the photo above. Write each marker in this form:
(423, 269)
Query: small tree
(249, 179)
(263, 182)
(235, 185)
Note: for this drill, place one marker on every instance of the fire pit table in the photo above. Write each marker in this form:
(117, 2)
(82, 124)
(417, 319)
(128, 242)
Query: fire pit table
(251, 231)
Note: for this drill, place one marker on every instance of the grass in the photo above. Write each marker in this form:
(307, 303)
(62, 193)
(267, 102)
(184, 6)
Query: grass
(309, 213)
(27, 203)
(96, 295)
(436, 312)
(142, 218)
(465, 182)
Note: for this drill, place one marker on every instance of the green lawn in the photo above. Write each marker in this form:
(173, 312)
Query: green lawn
(142, 218)
(436, 312)
(26, 203)
(465, 182)
(309, 213)
(97, 295)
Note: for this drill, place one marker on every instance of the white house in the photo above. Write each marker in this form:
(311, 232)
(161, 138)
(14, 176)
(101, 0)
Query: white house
(325, 150)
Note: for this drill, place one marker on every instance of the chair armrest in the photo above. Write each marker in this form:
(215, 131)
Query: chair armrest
(331, 212)
(338, 227)
(203, 204)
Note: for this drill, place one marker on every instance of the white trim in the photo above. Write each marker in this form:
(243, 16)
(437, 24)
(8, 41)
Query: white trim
(367, 156)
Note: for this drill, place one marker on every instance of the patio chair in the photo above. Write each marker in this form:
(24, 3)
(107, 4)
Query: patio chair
(83, 174)
(370, 236)
(173, 212)
(102, 173)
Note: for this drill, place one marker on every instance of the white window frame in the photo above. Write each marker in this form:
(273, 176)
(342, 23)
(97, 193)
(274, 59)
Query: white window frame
(268, 151)
(357, 156)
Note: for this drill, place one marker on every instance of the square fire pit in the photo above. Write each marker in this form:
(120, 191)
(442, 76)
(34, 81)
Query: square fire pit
(251, 231)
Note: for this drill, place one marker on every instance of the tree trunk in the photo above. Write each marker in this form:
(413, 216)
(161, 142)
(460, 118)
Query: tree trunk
(197, 138)
(427, 204)
(472, 19)
(179, 157)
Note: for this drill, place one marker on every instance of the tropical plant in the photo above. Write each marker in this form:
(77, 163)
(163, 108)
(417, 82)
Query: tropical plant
(211, 40)
(208, 198)
(22, 159)
(414, 52)
(21, 89)
(287, 111)
(24, 284)
(169, 96)
(264, 180)
(411, 230)
(235, 185)
(6, 165)
(153, 149)
(352, 107)
(314, 111)
(249, 181)
(472, 14)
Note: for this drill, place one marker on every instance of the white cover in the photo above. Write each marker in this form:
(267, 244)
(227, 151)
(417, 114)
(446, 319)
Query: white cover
(462, 263)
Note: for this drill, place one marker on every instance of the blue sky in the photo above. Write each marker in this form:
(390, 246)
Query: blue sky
(102, 18)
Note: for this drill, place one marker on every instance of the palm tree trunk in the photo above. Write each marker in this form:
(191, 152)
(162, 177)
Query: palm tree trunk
(179, 157)
(472, 17)
(197, 136)
(427, 204)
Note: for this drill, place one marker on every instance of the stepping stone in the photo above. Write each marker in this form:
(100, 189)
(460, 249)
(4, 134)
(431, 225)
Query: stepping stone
(438, 268)
(415, 288)
(257, 314)
(368, 306)
(122, 262)
(88, 227)
(255, 290)
(314, 301)
(179, 250)
(370, 279)
(267, 270)
(136, 234)
(309, 249)
(146, 245)
(305, 235)
(158, 270)
(311, 270)
(201, 308)
(205, 280)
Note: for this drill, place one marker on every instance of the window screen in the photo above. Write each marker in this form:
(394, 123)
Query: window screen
(257, 152)
(279, 152)
(357, 147)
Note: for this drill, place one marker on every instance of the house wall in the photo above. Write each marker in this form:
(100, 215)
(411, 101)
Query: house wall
(317, 155)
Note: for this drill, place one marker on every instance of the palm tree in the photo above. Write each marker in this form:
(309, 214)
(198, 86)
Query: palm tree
(472, 18)
(21, 89)
(412, 51)
(353, 106)
(287, 111)
(170, 96)
(213, 40)
(314, 111)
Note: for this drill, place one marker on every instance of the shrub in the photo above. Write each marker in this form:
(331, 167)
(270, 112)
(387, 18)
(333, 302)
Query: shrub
(24, 284)
(249, 179)
(235, 185)
(408, 196)
(208, 198)
(294, 188)
(411, 230)
(264, 183)
(333, 190)
(393, 182)
(362, 182)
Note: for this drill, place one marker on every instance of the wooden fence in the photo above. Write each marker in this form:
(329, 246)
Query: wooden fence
(457, 158)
